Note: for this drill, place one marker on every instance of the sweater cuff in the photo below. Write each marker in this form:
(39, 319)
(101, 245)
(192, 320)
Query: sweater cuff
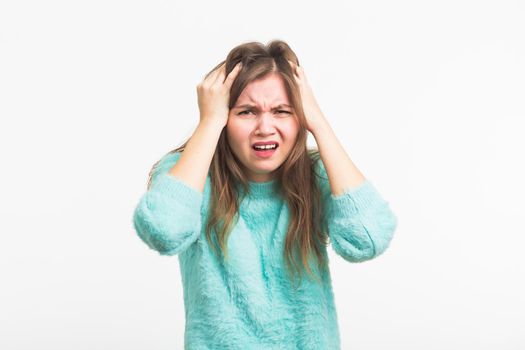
(175, 189)
(360, 198)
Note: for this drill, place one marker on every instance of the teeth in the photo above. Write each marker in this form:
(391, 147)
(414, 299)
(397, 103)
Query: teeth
(265, 147)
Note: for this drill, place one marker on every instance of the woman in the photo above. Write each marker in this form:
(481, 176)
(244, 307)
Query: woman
(249, 209)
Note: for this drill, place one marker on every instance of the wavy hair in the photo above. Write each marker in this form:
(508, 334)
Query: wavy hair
(295, 178)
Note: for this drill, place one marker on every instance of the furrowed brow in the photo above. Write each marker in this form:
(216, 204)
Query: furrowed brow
(256, 108)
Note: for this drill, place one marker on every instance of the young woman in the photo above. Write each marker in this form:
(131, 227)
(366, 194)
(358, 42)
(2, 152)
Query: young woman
(249, 210)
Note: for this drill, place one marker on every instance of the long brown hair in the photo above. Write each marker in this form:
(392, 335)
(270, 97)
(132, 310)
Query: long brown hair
(296, 177)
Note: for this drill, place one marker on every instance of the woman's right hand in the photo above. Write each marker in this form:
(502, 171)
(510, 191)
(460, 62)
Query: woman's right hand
(214, 94)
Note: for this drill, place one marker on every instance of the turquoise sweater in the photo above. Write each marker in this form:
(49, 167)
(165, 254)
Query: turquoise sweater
(248, 303)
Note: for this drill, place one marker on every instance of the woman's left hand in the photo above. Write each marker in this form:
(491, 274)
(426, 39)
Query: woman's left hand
(313, 114)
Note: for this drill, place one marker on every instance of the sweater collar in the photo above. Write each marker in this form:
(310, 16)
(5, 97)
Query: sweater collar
(262, 189)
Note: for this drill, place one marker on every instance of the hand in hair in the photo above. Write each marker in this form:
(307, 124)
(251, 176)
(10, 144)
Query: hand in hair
(214, 94)
(313, 114)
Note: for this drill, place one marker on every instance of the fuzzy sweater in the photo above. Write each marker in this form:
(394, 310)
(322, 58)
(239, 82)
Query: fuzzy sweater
(248, 302)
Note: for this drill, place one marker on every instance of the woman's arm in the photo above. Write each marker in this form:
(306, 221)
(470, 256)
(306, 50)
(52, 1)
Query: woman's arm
(194, 163)
(168, 216)
(341, 171)
(360, 222)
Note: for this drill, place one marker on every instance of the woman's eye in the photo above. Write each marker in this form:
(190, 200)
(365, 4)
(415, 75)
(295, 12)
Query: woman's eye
(248, 111)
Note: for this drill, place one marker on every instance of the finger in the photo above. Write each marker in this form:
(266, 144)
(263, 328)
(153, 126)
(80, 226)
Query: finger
(212, 76)
(300, 73)
(216, 76)
(233, 74)
(221, 73)
(294, 67)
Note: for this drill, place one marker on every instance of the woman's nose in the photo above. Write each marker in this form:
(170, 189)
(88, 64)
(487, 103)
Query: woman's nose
(265, 123)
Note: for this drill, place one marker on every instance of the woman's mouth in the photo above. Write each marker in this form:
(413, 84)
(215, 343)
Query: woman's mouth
(265, 151)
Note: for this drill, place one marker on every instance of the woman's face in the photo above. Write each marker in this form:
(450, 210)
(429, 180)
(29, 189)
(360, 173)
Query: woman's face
(262, 113)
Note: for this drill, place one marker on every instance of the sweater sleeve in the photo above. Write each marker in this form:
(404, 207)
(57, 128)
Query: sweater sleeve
(167, 217)
(360, 222)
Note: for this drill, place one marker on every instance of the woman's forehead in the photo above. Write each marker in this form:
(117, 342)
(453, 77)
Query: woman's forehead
(266, 92)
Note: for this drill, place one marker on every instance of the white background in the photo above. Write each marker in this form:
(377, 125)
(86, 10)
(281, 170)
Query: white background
(427, 97)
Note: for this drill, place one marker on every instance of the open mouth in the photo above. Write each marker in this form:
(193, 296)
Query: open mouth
(265, 151)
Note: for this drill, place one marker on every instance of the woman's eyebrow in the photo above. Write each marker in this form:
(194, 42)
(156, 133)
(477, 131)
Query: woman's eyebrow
(246, 105)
